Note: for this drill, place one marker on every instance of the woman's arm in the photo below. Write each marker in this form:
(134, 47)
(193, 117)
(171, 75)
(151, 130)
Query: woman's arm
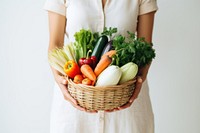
(57, 24)
(144, 29)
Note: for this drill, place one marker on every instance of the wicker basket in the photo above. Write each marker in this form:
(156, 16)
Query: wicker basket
(101, 98)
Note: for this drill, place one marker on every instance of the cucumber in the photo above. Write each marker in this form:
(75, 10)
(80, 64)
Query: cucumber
(102, 41)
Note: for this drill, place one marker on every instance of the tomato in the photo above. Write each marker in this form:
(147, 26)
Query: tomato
(78, 79)
(72, 69)
(87, 81)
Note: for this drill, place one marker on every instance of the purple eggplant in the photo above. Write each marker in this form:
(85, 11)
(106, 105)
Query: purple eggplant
(107, 48)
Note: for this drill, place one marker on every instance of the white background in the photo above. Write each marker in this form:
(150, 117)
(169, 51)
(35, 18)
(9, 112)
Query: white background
(26, 81)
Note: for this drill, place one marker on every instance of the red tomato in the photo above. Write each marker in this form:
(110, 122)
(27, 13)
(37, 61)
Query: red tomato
(78, 79)
(87, 81)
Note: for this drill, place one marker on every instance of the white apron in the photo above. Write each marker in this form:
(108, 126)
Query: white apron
(89, 14)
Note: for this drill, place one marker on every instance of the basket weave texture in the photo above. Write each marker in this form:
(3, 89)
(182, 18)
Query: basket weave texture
(101, 98)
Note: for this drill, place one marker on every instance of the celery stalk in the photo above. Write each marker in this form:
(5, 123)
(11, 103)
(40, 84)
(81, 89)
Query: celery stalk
(72, 51)
(64, 55)
(57, 67)
(59, 54)
(67, 52)
(55, 58)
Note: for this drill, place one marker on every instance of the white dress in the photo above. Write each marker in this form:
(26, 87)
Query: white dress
(89, 14)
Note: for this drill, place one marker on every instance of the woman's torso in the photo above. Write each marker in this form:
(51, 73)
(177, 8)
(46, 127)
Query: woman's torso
(90, 14)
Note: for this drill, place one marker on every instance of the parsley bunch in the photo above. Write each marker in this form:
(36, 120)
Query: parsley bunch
(109, 32)
(132, 49)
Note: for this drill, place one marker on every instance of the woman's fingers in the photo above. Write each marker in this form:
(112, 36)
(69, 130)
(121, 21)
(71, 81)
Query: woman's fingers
(69, 98)
(136, 92)
(125, 106)
(109, 111)
(113, 110)
(78, 107)
(91, 111)
(62, 80)
(66, 94)
(137, 89)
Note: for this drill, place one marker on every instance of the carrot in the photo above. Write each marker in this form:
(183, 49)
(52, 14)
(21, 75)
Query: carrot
(93, 83)
(88, 72)
(103, 63)
(109, 53)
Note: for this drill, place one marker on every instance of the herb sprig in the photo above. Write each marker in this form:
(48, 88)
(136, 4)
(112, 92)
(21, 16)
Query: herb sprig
(132, 49)
(109, 32)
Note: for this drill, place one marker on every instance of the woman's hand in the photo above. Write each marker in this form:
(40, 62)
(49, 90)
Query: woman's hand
(57, 26)
(62, 83)
(142, 74)
(144, 29)
(136, 92)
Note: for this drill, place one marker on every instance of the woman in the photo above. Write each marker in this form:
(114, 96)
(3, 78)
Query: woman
(68, 17)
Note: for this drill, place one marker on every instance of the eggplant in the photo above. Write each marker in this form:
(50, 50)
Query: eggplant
(107, 47)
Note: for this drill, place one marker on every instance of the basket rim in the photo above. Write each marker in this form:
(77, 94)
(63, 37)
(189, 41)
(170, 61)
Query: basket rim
(102, 88)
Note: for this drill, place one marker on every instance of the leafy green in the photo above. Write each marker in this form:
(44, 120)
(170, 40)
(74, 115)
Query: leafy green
(109, 31)
(84, 42)
(132, 49)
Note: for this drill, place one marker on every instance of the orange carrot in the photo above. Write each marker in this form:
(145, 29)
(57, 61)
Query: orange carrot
(93, 83)
(88, 72)
(103, 63)
(109, 53)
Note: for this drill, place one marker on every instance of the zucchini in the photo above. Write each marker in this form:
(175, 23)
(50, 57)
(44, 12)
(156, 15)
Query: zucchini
(110, 76)
(102, 41)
